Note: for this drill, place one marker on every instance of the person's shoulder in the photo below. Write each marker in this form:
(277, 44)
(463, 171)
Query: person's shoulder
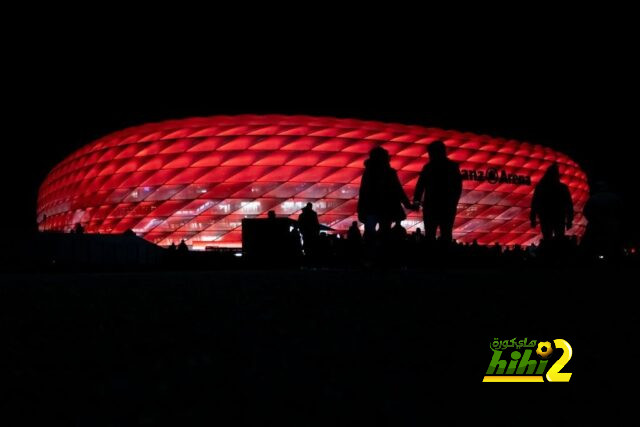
(453, 166)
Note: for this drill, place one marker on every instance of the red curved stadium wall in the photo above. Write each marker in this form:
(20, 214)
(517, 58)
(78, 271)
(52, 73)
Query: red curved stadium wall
(196, 179)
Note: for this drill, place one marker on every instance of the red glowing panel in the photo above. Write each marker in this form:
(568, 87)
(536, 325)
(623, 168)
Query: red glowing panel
(196, 179)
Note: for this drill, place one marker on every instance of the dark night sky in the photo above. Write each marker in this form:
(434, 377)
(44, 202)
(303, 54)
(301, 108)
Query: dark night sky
(578, 98)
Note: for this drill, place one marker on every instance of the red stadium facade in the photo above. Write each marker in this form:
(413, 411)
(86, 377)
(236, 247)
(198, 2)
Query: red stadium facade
(196, 179)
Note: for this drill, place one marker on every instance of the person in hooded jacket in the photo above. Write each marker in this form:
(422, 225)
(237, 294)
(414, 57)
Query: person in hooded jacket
(381, 195)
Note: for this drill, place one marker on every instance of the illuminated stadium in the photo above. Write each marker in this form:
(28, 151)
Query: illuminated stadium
(196, 179)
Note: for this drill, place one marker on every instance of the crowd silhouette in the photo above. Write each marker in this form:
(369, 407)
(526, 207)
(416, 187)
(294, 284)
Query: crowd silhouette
(382, 206)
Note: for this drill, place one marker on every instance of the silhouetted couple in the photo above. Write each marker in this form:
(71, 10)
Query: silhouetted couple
(382, 197)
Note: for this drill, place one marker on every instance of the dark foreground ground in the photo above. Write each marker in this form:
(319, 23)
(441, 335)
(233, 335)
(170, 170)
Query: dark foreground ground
(311, 347)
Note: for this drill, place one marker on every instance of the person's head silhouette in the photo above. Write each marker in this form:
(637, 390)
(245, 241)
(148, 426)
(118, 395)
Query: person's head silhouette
(437, 151)
(309, 206)
(378, 157)
(552, 174)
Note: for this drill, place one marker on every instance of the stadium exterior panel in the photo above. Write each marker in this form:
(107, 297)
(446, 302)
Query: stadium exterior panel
(196, 179)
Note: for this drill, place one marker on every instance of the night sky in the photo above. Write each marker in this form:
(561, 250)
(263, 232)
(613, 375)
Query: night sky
(579, 99)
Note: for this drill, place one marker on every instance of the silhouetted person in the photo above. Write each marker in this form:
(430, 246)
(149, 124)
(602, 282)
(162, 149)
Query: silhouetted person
(78, 229)
(182, 247)
(354, 232)
(381, 195)
(309, 227)
(552, 204)
(603, 212)
(438, 190)
(172, 247)
(271, 214)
